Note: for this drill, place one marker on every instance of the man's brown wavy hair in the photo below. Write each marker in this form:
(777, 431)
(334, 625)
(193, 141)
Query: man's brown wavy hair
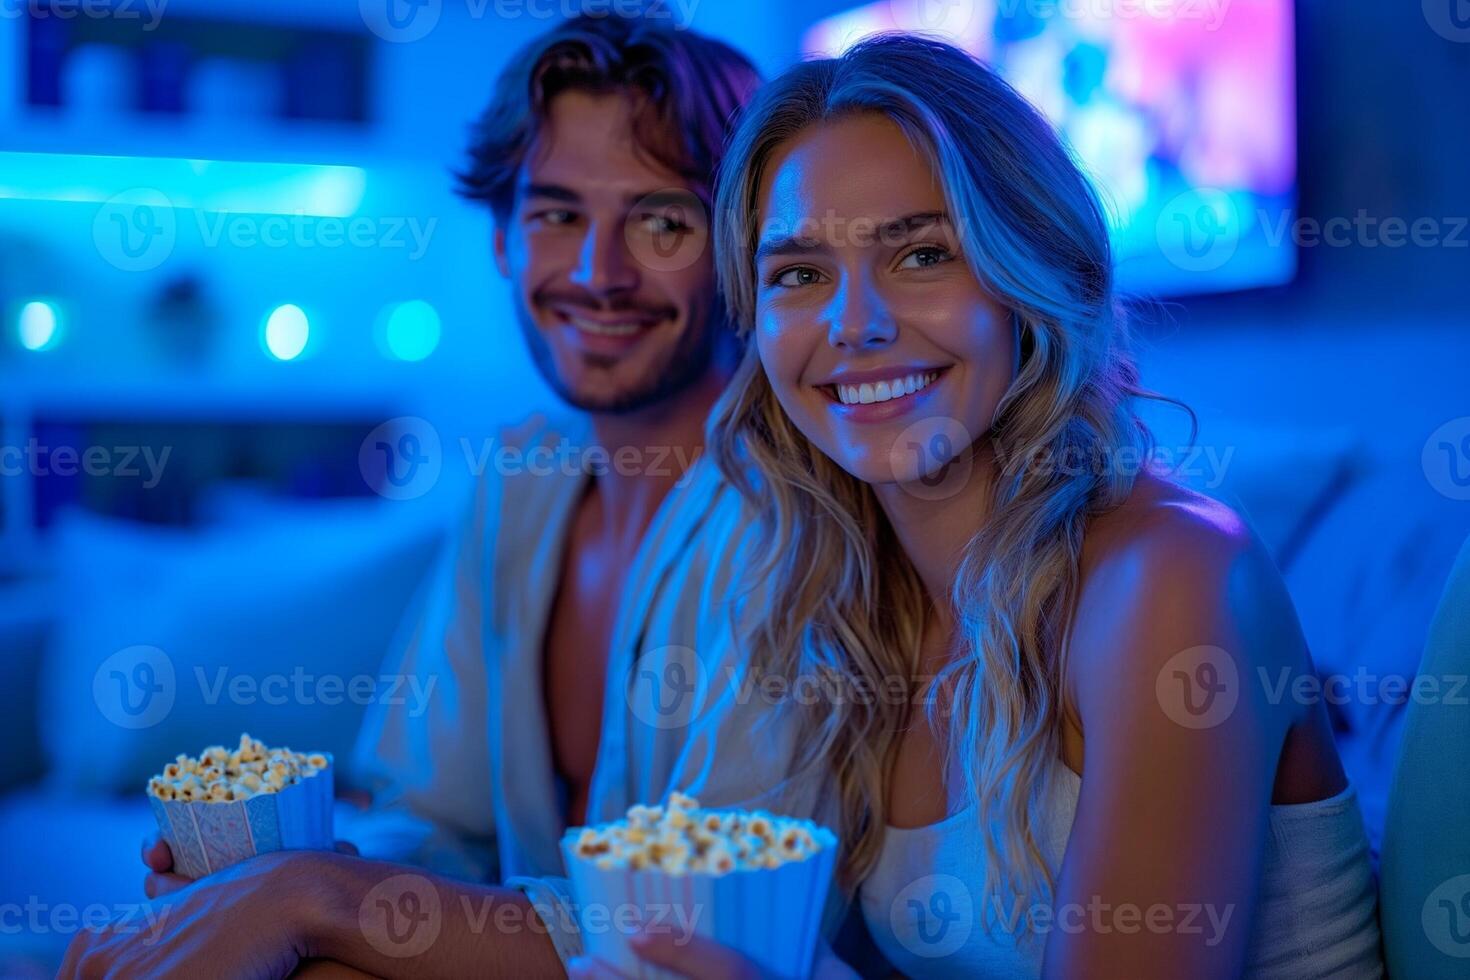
(687, 90)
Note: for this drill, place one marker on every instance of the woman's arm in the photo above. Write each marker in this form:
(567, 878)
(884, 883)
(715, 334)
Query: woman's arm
(1181, 744)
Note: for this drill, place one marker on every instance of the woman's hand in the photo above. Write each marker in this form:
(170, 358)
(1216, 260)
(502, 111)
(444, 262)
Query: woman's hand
(245, 919)
(699, 956)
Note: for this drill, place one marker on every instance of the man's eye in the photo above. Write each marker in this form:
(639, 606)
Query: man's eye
(664, 224)
(798, 275)
(554, 216)
(925, 256)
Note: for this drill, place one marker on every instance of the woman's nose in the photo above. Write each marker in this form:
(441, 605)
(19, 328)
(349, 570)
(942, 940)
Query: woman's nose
(858, 319)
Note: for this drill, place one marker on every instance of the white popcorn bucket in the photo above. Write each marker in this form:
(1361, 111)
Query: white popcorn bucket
(771, 915)
(205, 836)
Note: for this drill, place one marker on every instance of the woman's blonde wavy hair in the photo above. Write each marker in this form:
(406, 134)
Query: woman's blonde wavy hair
(847, 600)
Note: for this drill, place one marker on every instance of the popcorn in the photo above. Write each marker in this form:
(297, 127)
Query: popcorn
(752, 880)
(222, 775)
(680, 838)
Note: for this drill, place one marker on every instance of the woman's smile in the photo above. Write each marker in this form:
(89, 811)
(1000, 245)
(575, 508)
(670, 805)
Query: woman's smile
(881, 394)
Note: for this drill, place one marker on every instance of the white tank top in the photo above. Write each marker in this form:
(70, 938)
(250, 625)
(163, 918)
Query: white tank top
(1316, 915)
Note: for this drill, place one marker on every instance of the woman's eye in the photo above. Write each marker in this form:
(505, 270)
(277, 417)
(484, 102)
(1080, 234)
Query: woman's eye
(925, 256)
(799, 275)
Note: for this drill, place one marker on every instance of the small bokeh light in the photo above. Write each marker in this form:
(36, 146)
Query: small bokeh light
(411, 331)
(287, 331)
(38, 325)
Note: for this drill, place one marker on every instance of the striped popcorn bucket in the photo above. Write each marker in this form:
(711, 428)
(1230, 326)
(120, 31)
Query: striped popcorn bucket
(205, 836)
(773, 916)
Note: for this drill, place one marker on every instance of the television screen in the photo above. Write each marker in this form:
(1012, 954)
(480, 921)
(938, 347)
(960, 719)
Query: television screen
(1182, 112)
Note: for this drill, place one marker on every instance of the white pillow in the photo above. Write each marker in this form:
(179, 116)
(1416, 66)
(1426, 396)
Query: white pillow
(170, 640)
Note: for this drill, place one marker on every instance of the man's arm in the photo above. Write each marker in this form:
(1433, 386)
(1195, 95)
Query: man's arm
(391, 920)
(269, 914)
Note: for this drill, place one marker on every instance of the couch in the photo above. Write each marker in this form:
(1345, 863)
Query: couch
(1363, 539)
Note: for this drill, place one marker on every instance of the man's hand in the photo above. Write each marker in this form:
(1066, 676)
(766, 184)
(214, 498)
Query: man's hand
(159, 860)
(699, 956)
(290, 910)
(247, 920)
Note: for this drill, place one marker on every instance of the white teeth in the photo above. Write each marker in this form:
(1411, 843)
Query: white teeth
(866, 394)
(624, 329)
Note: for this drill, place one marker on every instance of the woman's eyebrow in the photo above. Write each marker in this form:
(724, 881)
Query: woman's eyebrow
(884, 232)
(909, 223)
(788, 245)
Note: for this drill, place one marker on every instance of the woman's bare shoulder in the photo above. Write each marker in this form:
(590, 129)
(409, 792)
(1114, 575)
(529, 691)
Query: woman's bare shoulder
(1170, 570)
(1164, 521)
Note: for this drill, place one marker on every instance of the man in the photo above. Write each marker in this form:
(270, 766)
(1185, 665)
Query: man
(582, 615)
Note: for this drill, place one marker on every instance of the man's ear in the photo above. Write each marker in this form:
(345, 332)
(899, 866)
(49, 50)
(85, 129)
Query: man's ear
(498, 247)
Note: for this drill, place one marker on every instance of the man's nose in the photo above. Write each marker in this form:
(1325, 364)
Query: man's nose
(604, 264)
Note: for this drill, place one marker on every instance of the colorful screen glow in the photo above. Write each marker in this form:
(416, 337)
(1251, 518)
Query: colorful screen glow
(1181, 111)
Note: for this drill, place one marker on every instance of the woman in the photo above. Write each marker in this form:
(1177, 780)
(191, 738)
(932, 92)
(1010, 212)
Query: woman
(1108, 774)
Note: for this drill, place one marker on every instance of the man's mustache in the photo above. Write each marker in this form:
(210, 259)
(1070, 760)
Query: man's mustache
(644, 308)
